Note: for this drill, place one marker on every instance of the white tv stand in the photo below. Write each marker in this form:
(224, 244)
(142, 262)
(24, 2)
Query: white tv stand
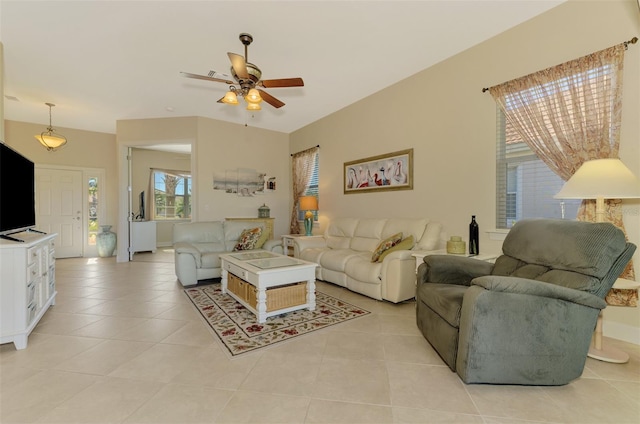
(27, 284)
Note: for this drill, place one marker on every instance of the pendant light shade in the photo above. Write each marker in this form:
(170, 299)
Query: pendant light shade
(253, 106)
(49, 138)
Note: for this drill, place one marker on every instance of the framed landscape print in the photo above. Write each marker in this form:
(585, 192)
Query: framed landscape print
(391, 171)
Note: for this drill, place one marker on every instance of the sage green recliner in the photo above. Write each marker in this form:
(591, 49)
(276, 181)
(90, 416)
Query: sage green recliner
(527, 319)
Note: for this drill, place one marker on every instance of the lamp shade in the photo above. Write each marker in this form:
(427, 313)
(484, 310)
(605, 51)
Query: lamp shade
(601, 179)
(308, 203)
(51, 141)
(230, 98)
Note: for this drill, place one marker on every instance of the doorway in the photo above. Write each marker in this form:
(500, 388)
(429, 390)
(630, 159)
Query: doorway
(64, 207)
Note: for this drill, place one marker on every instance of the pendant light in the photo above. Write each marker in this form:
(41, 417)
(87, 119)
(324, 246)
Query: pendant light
(49, 138)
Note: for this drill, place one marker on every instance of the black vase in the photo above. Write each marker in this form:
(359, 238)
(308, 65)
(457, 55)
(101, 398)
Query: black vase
(474, 236)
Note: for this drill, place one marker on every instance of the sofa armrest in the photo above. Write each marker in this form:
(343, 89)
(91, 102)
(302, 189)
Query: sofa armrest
(302, 243)
(187, 248)
(526, 286)
(452, 269)
(273, 245)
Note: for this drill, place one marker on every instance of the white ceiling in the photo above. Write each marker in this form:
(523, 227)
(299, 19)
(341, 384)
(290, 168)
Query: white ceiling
(104, 61)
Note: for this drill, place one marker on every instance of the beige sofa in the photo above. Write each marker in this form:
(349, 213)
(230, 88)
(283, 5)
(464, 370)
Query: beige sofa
(198, 246)
(344, 255)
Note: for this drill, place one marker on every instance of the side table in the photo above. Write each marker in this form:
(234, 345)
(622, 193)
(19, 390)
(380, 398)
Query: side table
(287, 242)
(420, 254)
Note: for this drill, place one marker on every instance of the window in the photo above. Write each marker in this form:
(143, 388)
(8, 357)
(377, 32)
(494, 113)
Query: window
(172, 194)
(312, 187)
(525, 184)
(93, 210)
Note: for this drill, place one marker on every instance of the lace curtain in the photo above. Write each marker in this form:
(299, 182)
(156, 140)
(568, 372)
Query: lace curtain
(301, 167)
(569, 114)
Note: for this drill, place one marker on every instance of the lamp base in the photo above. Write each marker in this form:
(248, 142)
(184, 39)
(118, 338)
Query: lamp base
(608, 354)
(308, 226)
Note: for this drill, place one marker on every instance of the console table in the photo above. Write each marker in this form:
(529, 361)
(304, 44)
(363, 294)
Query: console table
(27, 284)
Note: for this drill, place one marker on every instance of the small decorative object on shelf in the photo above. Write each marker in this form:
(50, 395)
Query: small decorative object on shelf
(474, 236)
(456, 246)
(263, 211)
(106, 241)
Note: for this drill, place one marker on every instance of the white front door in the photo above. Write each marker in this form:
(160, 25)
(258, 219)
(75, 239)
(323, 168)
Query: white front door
(59, 208)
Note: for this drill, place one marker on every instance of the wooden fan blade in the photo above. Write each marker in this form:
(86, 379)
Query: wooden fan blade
(270, 99)
(221, 99)
(206, 78)
(239, 65)
(282, 82)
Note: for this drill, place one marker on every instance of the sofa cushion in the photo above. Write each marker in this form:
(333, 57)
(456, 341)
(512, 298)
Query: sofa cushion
(414, 227)
(211, 260)
(430, 239)
(248, 239)
(405, 244)
(198, 232)
(367, 235)
(339, 233)
(360, 268)
(336, 259)
(385, 245)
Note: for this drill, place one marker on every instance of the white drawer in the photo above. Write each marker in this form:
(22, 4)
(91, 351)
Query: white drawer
(236, 270)
(33, 255)
(32, 272)
(31, 292)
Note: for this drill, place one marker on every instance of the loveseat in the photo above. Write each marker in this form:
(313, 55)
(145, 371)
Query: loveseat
(352, 254)
(198, 246)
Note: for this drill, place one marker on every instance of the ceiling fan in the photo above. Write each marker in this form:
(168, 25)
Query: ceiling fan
(245, 80)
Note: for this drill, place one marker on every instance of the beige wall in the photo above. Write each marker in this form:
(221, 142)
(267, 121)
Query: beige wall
(84, 149)
(443, 115)
(216, 146)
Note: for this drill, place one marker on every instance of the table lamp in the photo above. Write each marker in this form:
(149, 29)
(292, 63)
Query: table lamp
(602, 179)
(308, 204)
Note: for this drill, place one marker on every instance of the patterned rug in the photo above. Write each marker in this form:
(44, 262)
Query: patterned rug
(238, 328)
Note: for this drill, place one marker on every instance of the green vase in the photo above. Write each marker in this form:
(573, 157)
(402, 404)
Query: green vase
(106, 241)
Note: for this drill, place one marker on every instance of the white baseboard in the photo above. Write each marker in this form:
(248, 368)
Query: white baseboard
(619, 331)
(166, 244)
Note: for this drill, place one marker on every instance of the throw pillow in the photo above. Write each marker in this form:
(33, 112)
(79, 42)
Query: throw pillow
(248, 239)
(405, 244)
(384, 245)
(262, 240)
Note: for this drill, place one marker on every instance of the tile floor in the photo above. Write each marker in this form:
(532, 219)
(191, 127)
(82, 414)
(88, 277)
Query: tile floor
(123, 345)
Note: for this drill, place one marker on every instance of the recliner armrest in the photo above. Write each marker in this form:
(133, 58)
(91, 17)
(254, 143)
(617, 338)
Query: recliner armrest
(526, 286)
(450, 269)
(188, 248)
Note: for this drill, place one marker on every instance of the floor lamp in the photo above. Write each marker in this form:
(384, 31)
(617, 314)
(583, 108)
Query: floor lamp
(602, 179)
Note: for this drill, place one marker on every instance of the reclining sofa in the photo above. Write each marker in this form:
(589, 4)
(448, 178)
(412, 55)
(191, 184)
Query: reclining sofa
(345, 254)
(198, 246)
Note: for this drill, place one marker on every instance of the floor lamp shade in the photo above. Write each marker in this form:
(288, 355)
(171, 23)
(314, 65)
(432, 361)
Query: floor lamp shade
(601, 179)
(308, 204)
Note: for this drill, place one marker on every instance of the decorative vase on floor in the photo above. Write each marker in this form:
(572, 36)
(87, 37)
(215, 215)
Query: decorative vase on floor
(106, 241)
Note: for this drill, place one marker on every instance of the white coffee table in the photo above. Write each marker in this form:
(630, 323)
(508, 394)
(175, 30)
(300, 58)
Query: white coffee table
(265, 270)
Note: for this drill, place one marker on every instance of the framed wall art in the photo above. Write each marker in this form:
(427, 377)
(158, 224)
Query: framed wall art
(391, 171)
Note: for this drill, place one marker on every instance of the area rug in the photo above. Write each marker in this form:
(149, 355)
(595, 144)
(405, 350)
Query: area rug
(238, 329)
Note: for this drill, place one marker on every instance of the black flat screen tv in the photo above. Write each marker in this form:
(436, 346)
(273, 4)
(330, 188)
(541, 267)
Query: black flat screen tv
(17, 192)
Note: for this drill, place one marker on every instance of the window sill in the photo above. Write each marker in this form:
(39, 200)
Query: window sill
(498, 234)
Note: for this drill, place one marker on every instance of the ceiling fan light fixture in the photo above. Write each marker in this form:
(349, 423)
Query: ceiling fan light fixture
(49, 138)
(253, 96)
(230, 98)
(253, 106)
